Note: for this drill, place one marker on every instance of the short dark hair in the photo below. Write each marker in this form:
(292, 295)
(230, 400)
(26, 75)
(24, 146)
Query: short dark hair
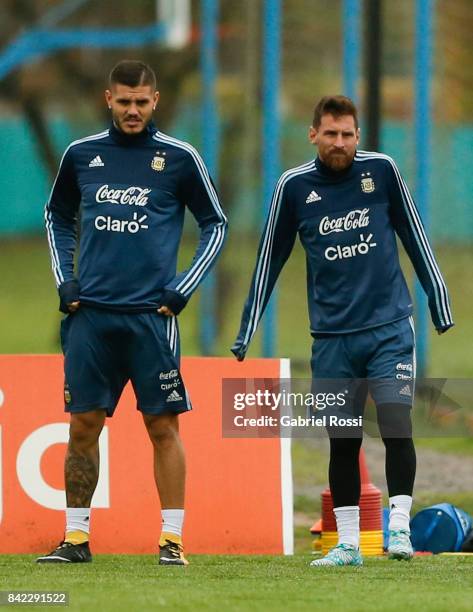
(132, 73)
(336, 106)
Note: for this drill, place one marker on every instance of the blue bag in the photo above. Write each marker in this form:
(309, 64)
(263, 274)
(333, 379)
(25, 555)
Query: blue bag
(440, 528)
(385, 528)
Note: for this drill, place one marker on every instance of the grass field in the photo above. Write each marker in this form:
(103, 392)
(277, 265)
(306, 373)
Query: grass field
(243, 583)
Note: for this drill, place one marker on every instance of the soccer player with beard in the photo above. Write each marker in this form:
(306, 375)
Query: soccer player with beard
(347, 207)
(130, 186)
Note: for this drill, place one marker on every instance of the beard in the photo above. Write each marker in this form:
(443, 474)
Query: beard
(138, 128)
(338, 161)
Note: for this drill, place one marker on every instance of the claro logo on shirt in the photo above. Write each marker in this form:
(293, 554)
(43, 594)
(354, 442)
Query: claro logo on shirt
(345, 252)
(131, 196)
(123, 226)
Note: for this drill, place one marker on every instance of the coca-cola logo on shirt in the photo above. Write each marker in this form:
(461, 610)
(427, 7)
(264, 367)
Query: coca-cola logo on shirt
(131, 196)
(355, 219)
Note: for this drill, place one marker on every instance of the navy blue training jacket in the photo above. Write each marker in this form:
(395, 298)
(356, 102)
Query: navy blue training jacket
(130, 193)
(347, 222)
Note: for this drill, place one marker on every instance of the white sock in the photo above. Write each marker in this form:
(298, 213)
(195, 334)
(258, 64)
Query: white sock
(172, 521)
(78, 519)
(399, 512)
(348, 525)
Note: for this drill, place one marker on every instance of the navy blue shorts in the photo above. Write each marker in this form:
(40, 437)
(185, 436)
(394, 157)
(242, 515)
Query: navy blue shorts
(380, 359)
(103, 350)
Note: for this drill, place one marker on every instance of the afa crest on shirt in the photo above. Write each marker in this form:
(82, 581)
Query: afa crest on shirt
(158, 163)
(367, 183)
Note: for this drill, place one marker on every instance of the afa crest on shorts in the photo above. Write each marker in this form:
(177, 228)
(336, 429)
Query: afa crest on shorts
(158, 163)
(67, 394)
(367, 183)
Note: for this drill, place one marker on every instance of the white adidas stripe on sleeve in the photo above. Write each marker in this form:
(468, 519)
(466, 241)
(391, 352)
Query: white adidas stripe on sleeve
(262, 268)
(189, 283)
(55, 261)
(415, 223)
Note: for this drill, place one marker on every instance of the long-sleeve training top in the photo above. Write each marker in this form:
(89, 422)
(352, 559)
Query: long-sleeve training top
(130, 193)
(347, 222)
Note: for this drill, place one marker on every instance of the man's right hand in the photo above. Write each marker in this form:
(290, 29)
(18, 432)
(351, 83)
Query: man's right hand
(69, 296)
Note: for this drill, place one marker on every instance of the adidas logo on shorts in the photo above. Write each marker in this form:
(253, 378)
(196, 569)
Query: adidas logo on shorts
(174, 397)
(406, 390)
(96, 162)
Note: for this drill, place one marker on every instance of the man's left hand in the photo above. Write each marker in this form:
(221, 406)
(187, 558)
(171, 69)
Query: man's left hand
(164, 310)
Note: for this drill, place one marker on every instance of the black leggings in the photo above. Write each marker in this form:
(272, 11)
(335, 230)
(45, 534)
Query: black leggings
(394, 422)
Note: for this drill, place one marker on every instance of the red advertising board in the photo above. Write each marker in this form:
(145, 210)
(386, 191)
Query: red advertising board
(239, 491)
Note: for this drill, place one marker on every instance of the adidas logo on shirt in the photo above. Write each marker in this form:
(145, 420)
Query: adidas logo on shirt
(174, 397)
(406, 390)
(313, 197)
(96, 162)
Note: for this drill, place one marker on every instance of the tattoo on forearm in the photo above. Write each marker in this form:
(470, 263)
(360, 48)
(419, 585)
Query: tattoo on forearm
(81, 472)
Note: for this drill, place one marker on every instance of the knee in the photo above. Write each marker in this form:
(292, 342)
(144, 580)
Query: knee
(85, 428)
(399, 444)
(400, 429)
(163, 431)
(394, 421)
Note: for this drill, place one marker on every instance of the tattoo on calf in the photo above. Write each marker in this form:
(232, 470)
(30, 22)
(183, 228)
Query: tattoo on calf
(81, 472)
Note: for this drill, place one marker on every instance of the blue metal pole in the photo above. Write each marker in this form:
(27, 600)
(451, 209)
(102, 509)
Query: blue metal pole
(270, 139)
(351, 47)
(58, 13)
(210, 150)
(423, 144)
(38, 42)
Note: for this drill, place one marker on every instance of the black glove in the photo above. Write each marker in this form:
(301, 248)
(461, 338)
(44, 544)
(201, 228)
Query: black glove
(68, 293)
(442, 330)
(173, 300)
(238, 352)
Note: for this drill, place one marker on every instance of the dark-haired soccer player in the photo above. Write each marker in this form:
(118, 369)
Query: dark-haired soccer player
(131, 185)
(347, 207)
